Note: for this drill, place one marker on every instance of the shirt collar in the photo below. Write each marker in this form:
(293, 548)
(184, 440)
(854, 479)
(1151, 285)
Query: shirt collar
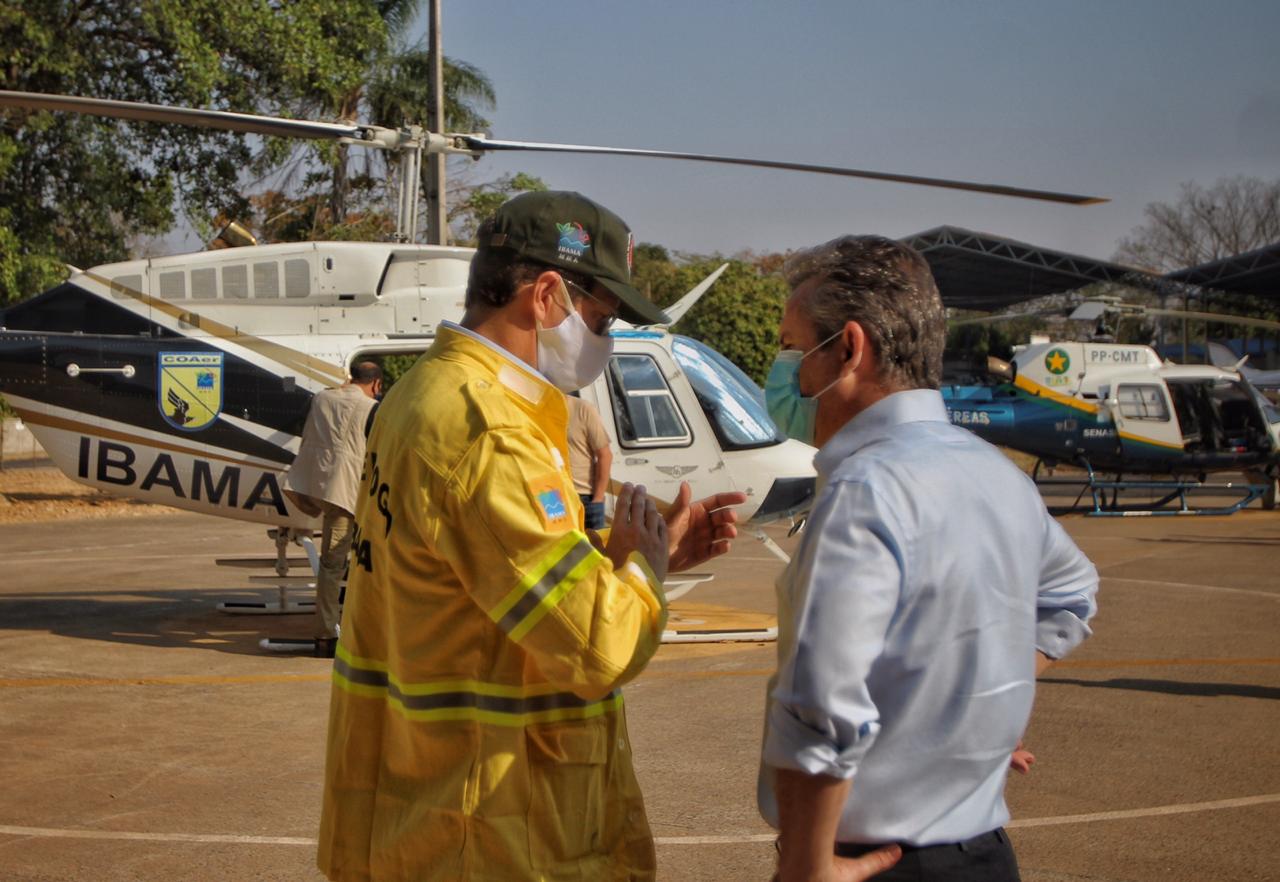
(909, 406)
(467, 332)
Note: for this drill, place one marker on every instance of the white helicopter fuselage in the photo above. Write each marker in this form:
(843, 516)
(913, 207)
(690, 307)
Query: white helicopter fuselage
(185, 380)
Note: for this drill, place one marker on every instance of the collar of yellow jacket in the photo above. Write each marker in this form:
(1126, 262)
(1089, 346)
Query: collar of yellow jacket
(528, 390)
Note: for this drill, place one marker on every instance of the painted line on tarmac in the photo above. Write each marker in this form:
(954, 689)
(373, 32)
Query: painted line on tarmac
(54, 833)
(249, 679)
(176, 680)
(1270, 595)
(1127, 814)
(1152, 812)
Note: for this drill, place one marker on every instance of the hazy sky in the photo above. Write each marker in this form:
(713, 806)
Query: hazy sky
(1119, 99)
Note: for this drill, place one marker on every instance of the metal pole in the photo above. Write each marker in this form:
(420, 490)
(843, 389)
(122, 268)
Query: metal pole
(437, 223)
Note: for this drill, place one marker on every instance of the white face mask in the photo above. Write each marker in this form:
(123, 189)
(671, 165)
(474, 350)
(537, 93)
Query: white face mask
(570, 355)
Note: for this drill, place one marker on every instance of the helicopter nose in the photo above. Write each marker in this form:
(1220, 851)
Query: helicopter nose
(786, 497)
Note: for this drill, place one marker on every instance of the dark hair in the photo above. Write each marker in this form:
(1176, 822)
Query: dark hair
(497, 273)
(887, 288)
(365, 372)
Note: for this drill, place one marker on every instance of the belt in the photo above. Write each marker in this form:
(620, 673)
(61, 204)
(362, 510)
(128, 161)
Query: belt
(857, 849)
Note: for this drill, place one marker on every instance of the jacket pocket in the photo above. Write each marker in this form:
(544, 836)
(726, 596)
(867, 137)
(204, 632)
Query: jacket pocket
(567, 774)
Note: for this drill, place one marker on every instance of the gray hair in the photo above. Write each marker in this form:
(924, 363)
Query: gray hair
(887, 288)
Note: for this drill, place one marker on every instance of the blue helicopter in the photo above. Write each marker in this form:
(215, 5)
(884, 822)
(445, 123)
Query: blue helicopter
(1114, 410)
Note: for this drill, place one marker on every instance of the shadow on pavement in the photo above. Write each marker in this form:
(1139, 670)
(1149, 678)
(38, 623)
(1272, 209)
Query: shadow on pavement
(1213, 540)
(1173, 687)
(163, 618)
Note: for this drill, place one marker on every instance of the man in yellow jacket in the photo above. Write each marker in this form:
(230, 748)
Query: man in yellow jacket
(476, 729)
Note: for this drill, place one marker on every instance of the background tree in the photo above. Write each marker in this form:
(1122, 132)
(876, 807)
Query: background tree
(394, 91)
(738, 317)
(76, 188)
(1233, 216)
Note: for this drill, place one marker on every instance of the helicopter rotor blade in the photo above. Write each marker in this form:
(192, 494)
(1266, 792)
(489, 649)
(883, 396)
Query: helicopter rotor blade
(1221, 317)
(479, 144)
(208, 119)
(1003, 317)
(475, 144)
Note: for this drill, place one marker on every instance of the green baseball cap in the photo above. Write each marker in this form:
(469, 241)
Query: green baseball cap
(569, 231)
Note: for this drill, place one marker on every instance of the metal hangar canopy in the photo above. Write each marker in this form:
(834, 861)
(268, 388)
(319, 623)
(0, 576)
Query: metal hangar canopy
(984, 272)
(1255, 272)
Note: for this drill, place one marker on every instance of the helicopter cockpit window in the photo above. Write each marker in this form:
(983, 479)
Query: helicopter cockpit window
(1269, 410)
(235, 282)
(1142, 402)
(643, 406)
(266, 280)
(733, 403)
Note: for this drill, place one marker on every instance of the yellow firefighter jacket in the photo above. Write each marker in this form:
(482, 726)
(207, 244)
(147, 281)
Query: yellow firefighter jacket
(476, 729)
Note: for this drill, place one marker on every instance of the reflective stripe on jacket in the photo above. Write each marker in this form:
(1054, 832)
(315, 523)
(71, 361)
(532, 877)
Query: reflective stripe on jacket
(476, 727)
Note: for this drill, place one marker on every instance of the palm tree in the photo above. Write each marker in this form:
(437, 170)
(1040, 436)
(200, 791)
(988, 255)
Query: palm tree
(395, 92)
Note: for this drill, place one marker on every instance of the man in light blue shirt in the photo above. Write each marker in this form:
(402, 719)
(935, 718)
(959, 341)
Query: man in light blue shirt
(930, 588)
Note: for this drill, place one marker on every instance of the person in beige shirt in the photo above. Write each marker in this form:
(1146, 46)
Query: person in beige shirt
(324, 480)
(589, 458)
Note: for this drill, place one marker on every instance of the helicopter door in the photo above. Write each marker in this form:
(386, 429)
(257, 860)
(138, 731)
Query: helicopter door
(659, 438)
(1144, 418)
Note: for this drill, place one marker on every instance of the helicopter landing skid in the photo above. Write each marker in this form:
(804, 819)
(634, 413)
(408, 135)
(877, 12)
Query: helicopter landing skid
(1175, 500)
(281, 605)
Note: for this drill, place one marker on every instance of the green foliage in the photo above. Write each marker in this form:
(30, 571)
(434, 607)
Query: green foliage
(76, 187)
(976, 342)
(738, 317)
(395, 366)
(471, 204)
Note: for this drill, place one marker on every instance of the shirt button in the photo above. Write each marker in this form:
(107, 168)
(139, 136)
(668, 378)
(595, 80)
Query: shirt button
(622, 744)
(482, 384)
(1062, 634)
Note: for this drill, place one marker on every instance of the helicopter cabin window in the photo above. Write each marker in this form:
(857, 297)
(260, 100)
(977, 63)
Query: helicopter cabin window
(1142, 402)
(204, 284)
(235, 282)
(644, 408)
(297, 278)
(126, 287)
(173, 286)
(266, 280)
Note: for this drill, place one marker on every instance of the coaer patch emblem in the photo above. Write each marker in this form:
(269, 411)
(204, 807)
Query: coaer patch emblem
(189, 391)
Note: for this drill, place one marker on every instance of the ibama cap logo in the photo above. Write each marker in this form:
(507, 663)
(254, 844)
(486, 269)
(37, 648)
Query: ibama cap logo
(573, 240)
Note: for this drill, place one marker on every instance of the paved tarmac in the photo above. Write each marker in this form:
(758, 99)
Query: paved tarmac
(148, 738)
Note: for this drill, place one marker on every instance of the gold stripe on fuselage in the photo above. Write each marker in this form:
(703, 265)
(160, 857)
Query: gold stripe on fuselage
(307, 365)
(55, 422)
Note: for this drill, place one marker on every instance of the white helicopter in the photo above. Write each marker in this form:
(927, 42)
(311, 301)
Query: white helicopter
(1114, 409)
(185, 380)
(174, 401)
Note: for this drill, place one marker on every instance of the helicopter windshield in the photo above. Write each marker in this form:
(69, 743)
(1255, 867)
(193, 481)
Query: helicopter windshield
(731, 401)
(1269, 410)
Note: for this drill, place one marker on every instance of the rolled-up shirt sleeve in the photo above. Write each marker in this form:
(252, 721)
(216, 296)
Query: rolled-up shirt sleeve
(1067, 598)
(841, 589)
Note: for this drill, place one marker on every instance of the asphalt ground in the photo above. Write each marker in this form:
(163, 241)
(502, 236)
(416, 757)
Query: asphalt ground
(146, 737)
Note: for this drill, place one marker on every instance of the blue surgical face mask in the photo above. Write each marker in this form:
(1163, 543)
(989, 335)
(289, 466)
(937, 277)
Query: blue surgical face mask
(792, 412)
